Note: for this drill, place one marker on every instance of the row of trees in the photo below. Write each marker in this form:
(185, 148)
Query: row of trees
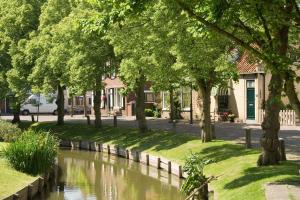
(53, 52)
(268, 30)
(73, 44)
(49, 45)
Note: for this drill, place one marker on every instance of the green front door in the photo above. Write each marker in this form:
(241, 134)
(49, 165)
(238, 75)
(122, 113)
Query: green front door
(250, 103)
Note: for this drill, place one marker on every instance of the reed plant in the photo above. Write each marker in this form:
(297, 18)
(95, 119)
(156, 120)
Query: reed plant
(34, 152)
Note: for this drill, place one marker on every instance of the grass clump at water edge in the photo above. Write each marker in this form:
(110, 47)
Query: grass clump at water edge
(33, 153)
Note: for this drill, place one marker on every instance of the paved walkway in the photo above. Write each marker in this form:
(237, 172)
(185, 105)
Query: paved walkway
(282, 192)
(224, 130)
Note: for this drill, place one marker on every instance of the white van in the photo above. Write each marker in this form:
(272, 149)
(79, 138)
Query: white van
(46, 104)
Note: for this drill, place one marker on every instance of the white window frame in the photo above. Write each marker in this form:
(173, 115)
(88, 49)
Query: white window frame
(102, 105)
(150, 92)
(164, 108)
(181, 98)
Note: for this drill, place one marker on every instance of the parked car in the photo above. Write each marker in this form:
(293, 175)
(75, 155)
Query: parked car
(39, 104)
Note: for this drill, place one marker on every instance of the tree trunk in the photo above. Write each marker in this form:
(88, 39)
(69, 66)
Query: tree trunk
(140, 105)
(271, 124)
(60, 102)
(290, 91)
(172, 107)
(97, 104)
(16, 113)
(204, 92)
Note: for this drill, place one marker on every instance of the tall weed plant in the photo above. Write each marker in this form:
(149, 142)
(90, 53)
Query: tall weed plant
(9, 132)
(33, 152)
(195, 183)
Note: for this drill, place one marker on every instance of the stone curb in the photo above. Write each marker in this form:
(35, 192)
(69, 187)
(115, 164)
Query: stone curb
(30, 190)
(137, 156)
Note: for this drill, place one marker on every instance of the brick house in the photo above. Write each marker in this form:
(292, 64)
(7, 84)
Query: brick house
(112, 101)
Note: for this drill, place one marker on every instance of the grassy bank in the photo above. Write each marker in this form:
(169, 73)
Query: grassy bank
(240, 178)
(11, 180)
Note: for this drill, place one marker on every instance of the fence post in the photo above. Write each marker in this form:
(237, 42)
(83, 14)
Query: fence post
(16, 196)
(30, 192)
(108, 149)
(32, 118)
(169, 167)
(127, 154)
(158, 163)
(180, 171)
(137, 156)
(115, 121)
(282, 149)
(147, 159)
(88, 118)
(174, 125)
(248, 137)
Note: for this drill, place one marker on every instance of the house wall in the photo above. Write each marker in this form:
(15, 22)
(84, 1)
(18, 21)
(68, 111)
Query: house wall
(236, 99)
(79, 108)
(238, 96)
(185, 114)
(284, 98)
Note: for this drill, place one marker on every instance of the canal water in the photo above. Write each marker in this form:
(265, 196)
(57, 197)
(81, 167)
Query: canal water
(84, 175)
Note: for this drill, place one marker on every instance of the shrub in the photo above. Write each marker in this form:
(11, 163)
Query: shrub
(33, 153)
(194, 168)
(149, 112)
(9, 132)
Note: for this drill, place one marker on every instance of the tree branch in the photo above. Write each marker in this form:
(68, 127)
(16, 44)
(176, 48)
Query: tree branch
(264, 23)
(249, 31)
(221, 31)
(297, 11)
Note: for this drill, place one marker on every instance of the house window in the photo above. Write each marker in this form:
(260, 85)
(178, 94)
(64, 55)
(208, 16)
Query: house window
(103, 99)
(90, 101)
(111, 98)
(116, 100)
(79, 101)
(149, 97)
(185, 98)
(183, 95)
(223, 103)
(70, 101)
(251, 84)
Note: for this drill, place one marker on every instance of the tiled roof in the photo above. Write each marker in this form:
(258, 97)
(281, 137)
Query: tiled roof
(246, 65)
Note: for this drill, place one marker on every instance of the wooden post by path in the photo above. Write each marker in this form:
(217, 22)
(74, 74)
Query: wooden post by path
(88, 118)
(282, 149)
(248, 137)
(115, 121)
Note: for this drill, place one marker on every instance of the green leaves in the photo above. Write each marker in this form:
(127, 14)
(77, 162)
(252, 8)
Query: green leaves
(194, 165)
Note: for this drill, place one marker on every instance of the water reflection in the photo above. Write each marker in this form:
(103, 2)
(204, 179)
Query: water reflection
(92, 175)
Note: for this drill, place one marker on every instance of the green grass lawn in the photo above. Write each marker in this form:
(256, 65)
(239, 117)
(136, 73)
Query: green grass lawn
(240, 177)
(11, 180)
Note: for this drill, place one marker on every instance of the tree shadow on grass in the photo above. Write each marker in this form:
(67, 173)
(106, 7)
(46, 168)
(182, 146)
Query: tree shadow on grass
(125, 137)
(254, 174)
(157, 140)
(226, 151)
